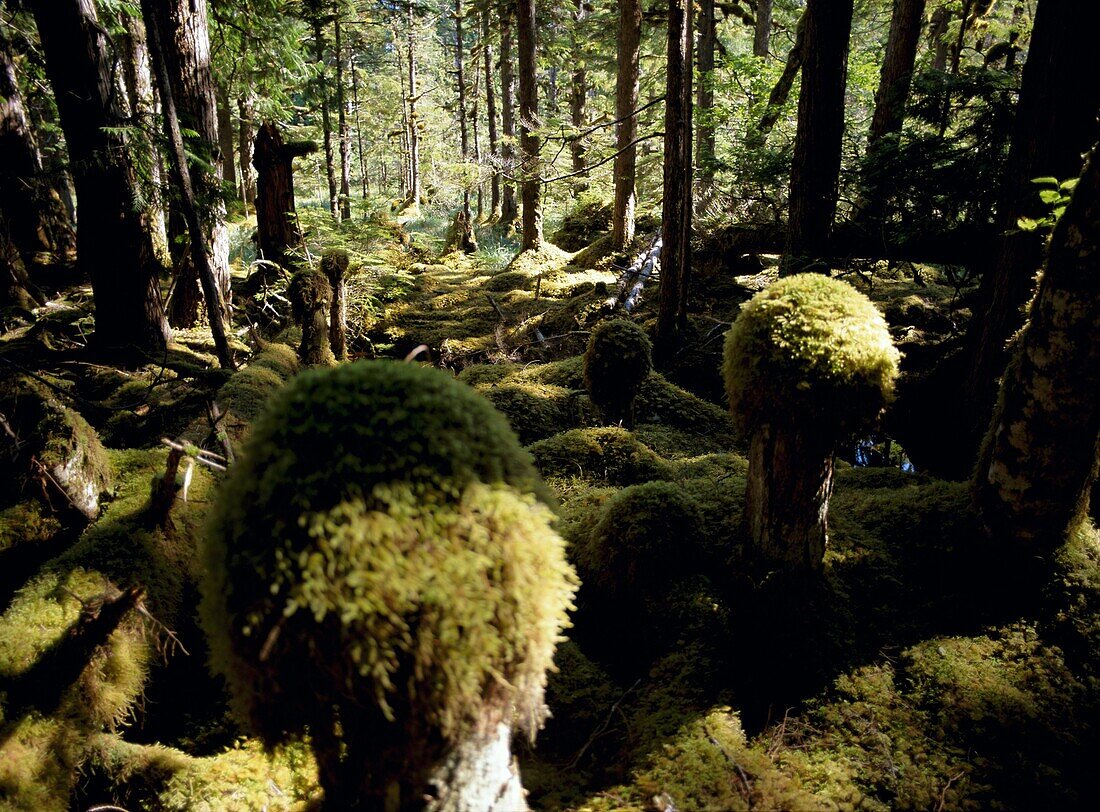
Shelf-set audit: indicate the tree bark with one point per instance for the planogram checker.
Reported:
(1055, 124)
(677, 207)
(706, 146)
(276, 219)
(322, 92)
(790, 480)
(34, 216)
(782, 90)
(463, 127)
(529, 122)
(897, 69)
(225, 137)
(334, 264)
(342, 125)
(578, 92)
(626, 102)
(509, 211)
(763, 32)
(159, 24)
(815, 170)
(491, 117)
(937, 37)
(113, 246)
(414, 121)
(245, 139)
(1040, 454)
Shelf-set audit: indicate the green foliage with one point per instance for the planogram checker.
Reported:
(618, 359)
(1055, 196)
(809, 348)
(349, 470)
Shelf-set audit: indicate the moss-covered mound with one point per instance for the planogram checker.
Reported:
(812, 347)
(588, 220)
(617, 361)
(610, 455)
(380, 551)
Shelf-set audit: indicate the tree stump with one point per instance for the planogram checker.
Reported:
(334, 265)
(310, 298)
(276, 219)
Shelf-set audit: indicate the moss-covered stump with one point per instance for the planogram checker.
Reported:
(460, 235)
(334, 265)
(381, 573)
(618, 359)
(59, 455)
(808, 364)
(310, 298)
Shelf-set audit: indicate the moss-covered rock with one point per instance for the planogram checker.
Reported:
(618, 359)
(379, 553)
(609, 455)
(587, 221)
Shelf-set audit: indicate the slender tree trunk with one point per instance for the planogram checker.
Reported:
(342, 124)
(35, 218)
(113, 246)
(159, 22)
(363, 176)
(491, 117)
(1055, 122)
(528, 124)
(475, 103)
(326, 118)
(937, 37)
(225, 137)
(463, 127)
(782, 90)
(762, 35)
(245, 139)
(626, 102)
(1040, 455)
(815, 171)
(676, 210)
(414, 120)
(706, 147)
(578, 92)
(509, 211)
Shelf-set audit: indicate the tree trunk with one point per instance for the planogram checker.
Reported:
(787, 494)
(276, 219)
(225, 137)
(509, 211)
(762, 35)
(1040, 455)
(113, 246)
(937, 37)
(342, 125)
(322, 92)
(414, 121)
(626, 101)
(676, 210)
(897, 69)
(1055, 124)
(782, 90)
(706, 147)
(34, 216)
(310, 297)
(815, 170)
(364, 177)
(244, 140)
(578, 92)
(187, 58)
(159, 23)
(460, 80)
(491, 118)
(334, 264)
(528, 124)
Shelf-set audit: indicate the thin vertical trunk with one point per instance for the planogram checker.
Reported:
(626, 102)
(763, 32)
(463, 127)
(815, 170)
(364, 178)
(491, 117)
(476, 93)
(676, 210)
(706, 147)
(113, 245)
(244, 140)
(508, 209)
(414, 122)
(225, 137)
(578, 92)
(326, 118)
(158, 15)
(528, 124)
(782, 89)
(1040, 456)
(342, 125)
(937, 37)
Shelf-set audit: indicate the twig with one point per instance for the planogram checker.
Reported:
(603, 727)
(729, 757)
(207, 458)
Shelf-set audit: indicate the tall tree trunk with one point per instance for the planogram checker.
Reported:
(937, 37)
(322, 92)
(463, 126)
(1055, 122)
(763, 32)
(528, 122)
(363, 175)
(35, 218)
(276, 220)
(342, 124)
(676, 210)
(244, 140)
(475, 92)
(782, 90)
(706, 146)
(187, 58)
(225, 137)
(509, 211)
(626, 102)
(159, 23)
(815, 170)
(113, 246)
(491, 117)
(578, 92)
(414, 121)
(1040, 455)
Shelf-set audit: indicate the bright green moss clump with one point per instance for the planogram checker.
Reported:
(812, 348)
(617, 361)
(380, 554)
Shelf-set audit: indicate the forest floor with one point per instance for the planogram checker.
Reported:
(927, 669)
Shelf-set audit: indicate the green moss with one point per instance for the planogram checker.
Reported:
(617, 361)
(534, 410)
(608, 454)
(246, 393)
(27, 522)
(334, 260)
(279, 358)
(356, 546)
(809, 348)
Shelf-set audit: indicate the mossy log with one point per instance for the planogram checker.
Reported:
(310, 298)
(334, 264)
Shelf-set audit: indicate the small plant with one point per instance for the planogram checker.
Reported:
(618, 359)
